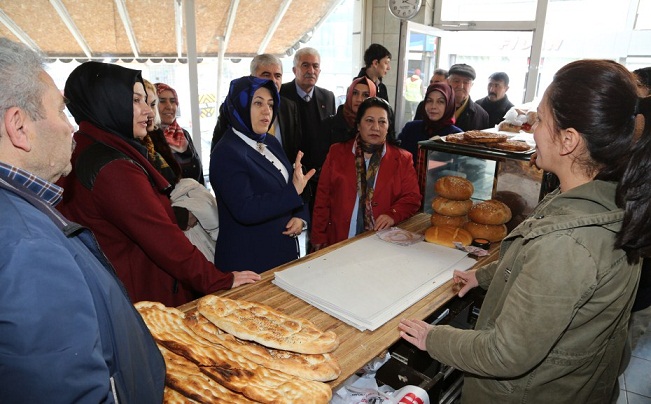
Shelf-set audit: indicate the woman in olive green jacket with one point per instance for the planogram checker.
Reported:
(553, 325)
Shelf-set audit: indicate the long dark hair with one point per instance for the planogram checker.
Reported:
(378, 102)
(598, 98)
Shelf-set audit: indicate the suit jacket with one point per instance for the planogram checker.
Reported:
(255, 203)
(324, 98)
(288, 119)
(396, 191)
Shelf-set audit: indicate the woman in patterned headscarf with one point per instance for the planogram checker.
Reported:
(438, 120)
(261, 212)
(367, 183)
(178, 138)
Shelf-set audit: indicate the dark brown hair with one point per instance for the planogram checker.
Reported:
(598, 98)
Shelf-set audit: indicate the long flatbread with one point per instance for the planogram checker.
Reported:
(228, 368)
(171, 396)
(320, 367)
(256, 322)
(186, 378)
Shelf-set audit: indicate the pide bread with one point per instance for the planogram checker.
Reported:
(491, 232)
(442, 220)
(228, 368)
(477, 136)
(491, 211)
(450, 207)
(320, 367)
(453, 187)
(509, 127)
(512, 145)
(184, 378)
(447, 235)
(171, 396)
(256, 322)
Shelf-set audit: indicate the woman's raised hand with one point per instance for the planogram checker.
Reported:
(299, 179)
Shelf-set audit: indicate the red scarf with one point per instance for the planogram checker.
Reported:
(176, 137)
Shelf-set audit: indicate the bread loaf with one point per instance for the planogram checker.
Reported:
(450, 207)
(447, 235)
(442, 220)
(452, 187)
(491, 232)
(491, 211)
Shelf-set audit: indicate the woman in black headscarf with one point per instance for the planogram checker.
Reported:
(258, 193)
(438, 120)
(116, 192)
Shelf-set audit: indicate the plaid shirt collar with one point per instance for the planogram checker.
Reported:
(45, 190)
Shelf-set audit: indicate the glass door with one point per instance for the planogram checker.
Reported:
(418, 58)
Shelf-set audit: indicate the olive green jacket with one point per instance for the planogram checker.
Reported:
(554, 321)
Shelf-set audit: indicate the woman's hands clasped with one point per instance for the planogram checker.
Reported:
(299, 179)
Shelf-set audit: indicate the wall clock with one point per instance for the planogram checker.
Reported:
(404, 9)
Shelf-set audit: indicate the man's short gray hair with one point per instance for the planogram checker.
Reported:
(305, 51)
(265, 59)
(20, 85)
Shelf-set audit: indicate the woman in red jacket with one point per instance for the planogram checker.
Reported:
(367, 183)
(116, 192)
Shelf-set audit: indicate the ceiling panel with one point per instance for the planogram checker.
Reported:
(153, 24)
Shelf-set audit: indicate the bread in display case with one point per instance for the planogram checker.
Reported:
(495, 174)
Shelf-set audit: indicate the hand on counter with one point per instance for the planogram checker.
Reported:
(464, 281)
(383, 222)
(415, 332)
(243, 277)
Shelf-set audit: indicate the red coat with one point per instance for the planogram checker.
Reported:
(396, 191)
(135, 226)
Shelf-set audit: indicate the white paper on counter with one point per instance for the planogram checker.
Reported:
(369, 281)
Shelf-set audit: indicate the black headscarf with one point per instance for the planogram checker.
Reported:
(432, 127)
(238, 104)
(102, 94)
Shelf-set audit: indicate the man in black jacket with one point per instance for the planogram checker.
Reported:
(496, 103)
(287, 127)
(315, 104)
(469, 115)
(377, 61)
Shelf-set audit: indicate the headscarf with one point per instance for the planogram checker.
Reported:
(173, 133)
(349, 115)
(432, 127)
(102, 94)
(238, 104)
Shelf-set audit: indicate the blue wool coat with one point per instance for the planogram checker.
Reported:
(255, 204)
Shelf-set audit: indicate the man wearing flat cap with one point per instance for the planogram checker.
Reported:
(469, 115)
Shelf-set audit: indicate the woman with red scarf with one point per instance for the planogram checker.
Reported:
(178, 138)
(439, 119)
(367, 183)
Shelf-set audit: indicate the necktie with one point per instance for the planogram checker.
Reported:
(307, 98)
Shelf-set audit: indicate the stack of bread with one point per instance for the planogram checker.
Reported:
(234, 351)
(487, 220)
(451, 208)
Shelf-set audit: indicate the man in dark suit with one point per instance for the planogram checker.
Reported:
(287, 127)
(469, 115)
(314, 105)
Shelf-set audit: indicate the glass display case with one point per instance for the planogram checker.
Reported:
(495, 174)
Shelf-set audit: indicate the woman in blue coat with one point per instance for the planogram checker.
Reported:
(438, 120)
(261, 212)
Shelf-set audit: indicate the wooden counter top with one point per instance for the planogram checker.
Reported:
(356, 348)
